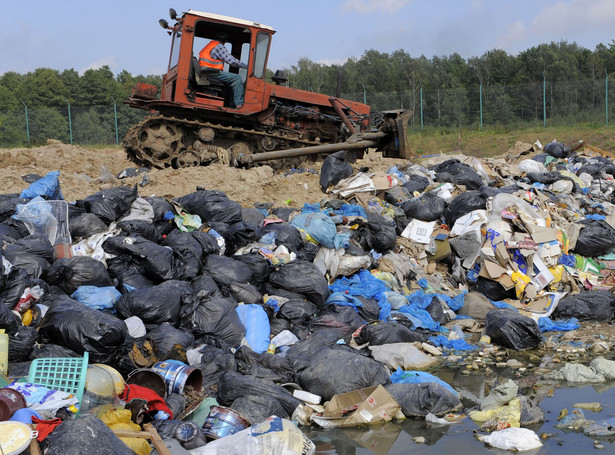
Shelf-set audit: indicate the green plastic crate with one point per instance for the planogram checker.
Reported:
(66, 374)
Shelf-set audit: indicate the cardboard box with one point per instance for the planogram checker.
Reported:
(357, 408)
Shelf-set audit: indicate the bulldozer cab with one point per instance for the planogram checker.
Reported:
(187, 83)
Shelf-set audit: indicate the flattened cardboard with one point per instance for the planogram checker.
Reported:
(492, 270)
(543, 234)
(366, 407)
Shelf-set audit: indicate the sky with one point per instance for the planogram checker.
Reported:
(125, 34)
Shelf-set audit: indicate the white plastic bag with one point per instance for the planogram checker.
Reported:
(519, 439)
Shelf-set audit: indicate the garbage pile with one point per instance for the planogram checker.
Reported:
(210, 324)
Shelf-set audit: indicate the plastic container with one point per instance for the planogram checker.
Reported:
(146, 377)
(178, 376)
(222, 422)
(4, 353)
(15, 437)
(67, 374)
(10, 402)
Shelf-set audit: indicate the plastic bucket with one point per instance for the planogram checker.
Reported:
(223, 422)
(146, 377)
(10, 401)
(15, 437)
(178, 376)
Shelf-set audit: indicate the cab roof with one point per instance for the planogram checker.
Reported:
(230, 19)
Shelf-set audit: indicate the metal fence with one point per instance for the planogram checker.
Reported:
(519, 106)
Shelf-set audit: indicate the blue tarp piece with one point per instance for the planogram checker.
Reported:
(48, 186)
(457, 345)
(567, 260)
(339, 298)
(595, 217)
(351, 210)
(99, 298)
(254, 318)
(548, 325)
(311, 208)
(502, 304)
(365, 284)
(419, 317)
(418, 377)
(321, 228)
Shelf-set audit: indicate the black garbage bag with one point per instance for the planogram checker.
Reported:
(155, 305)
(15, 283)
(453, 171)
(387, 332)
(334, 168)
(309, 252)
(141, 228)
(110, 204)
(70, 273)
(595, 170)
(176, 403)
(161, 206)
(258, 265)
(587, 306)
(246, 293)
(339, 370)
(428, 207)
(252, 215)
(34, 253)
(286, 235)
(343, 315)
(86, 435)
(418, 400)
(511, 329)
(9, 321)
(437, 311)
(211, 205)
(80, 328)
(225, 270)
(274, 367)
(370, 310)
(212, 314)
(416, 183)
(302, 277)
(171, 343)
(86, 225)
(556, 149)
(545, 178)
(234, 385)
(21, 343)
(243, 234)
(596, 238)
(204, 282)
(297, 311)
(378, 234)
(158, 261)
(257, 408)
(463, 204)
(8, 203)
(189, 251)
(492, 289)
(51, 350)
(8, 234)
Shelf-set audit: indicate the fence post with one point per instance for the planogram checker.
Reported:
(27, 122)
(117, 139)
(606, 97)
(544, 100)
(421, 96)
(364, 94)
(70, 123)
(480, 101)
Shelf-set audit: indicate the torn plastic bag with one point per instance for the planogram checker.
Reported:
(76, 326)
(128, 272)
(418, 400)
(171, 343)
(99, 298)
(211, 205)
(387, 332)
(208, 314)
(256, 408)
(595, 239)
(531, 413)
(402, 355)
(234, 385)
(601, 428)
(336, 262)
(513, 439)
(334, 168)
(321, 228)
(87, 434)
(556, 149)
(453, 171)
(338, 316)
(47, 186)
(110, 204)
(21, 343)
(531, 165)
(155, 305)
(255, 320)
(428, 207)
(226, 270)
(352, 371)
(34, 253)
(587, 306)
(8, 203)
(304, 278)
(511, 329)
(463, 204)
(71, 273)
(47, 218)
(86, 225)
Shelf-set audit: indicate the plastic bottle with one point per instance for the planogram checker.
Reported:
(4, 352)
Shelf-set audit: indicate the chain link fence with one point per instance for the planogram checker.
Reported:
(478, 107)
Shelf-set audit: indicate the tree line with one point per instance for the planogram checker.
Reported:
(446, 89)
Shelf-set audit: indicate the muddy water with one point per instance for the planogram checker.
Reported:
(396, 438)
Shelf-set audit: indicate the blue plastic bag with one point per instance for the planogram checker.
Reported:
(365, 284)
(457, 345)
(99, 298)
(255, 320)
(548, 325)
(418, 377)
(321, 228)
(48, 186)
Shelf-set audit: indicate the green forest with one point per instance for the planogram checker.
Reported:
(561, 82)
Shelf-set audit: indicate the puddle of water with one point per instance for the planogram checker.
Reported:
(396, 438)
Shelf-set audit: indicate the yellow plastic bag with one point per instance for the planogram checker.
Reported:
(119, 419)
(509, 414)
